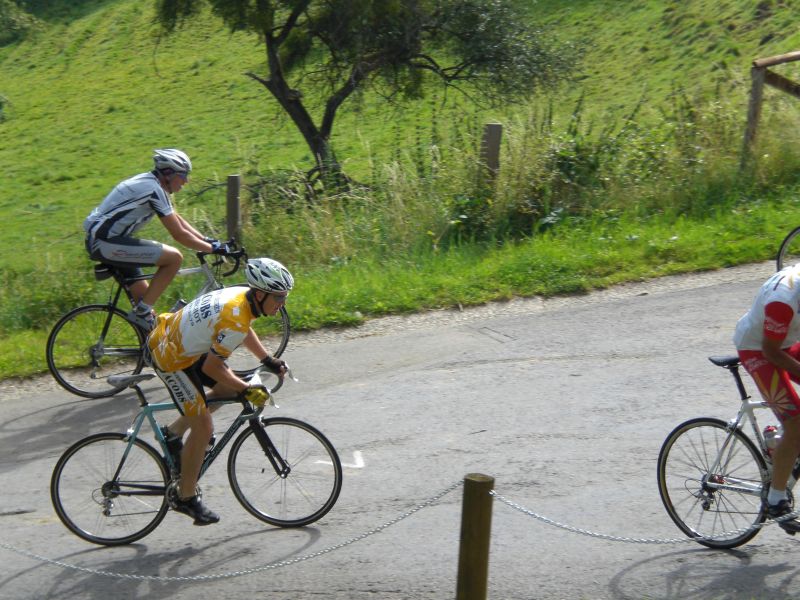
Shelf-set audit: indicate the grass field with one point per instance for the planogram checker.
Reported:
(91, 93)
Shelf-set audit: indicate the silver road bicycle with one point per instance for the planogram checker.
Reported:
(713, 475)
(93, 342)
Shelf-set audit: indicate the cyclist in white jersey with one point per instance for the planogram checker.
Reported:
(126, 209)
(188, 351)
(768, 340)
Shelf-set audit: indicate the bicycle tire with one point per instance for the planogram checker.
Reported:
(275, 340)
(80, 358)
(688, 491)
(789, 252)
(99, 509)
(303, 496)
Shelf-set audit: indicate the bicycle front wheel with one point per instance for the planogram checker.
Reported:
(302, 494)
(90, 343)
(109, 492)
(789, 253)
(712, 482)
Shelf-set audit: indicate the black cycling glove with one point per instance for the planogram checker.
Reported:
(274, 365)
(218, 247)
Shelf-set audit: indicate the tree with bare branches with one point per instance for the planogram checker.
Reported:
(484, 48)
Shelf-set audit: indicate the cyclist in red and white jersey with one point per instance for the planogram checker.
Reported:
(188, 351)
(768, 340)
(126, 209)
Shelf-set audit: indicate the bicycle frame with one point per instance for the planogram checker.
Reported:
(247, 416)
(746, 414)
(211, 282)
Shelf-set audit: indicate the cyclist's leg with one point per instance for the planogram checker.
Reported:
(187, 394)
(127, 253)
(181, 425)
(168, 263)
(777, 390)
(136, 289)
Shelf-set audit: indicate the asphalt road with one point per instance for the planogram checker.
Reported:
(564, 402)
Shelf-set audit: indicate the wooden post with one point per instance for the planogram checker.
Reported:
(757, 74)
(233, 217)
(490, 147)
(476, 526)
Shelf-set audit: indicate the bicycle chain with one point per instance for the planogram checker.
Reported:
(229, 574)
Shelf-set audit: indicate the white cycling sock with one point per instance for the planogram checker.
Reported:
(142, 309)
(775, 496)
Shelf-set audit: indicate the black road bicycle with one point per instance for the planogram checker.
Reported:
(113, 488)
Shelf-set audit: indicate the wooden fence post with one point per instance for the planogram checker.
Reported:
(233, 216)
(490, 148)
(476, 527)
(757, 75)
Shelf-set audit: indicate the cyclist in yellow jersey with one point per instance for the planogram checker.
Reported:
(188, 350)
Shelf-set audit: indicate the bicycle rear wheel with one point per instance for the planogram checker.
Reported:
(718, 507)
(90, 343)
(789, 253)
(303, 495)
(274, 334)
(106, 497)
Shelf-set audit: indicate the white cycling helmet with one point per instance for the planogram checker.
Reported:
(170, 158)
(268, 275)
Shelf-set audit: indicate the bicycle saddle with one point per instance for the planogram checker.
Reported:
(725, 361)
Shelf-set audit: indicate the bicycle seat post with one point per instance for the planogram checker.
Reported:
(140, 395)
(734, 369)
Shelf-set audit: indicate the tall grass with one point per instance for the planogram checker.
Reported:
(435, 196)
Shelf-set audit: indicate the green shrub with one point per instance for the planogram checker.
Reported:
(15, 23)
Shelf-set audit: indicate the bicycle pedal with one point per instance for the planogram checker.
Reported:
(172, 493)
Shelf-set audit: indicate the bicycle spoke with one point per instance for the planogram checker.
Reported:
(722, 504)
(104, 510)
(307, 491)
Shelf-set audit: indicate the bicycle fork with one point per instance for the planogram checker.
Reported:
(282, 468)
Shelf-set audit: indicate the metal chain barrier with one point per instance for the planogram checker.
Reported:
(229, 574)
(432, 500)
(616, 538)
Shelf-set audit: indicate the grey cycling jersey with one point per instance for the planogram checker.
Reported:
(128, 207)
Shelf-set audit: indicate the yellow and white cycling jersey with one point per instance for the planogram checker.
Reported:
(215, 322)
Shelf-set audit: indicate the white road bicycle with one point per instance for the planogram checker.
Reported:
(713, 478)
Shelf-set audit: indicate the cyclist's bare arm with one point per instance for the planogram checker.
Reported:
(774, 353)
(215, 367)
(175, 225)
(189, 226)
(254, 345)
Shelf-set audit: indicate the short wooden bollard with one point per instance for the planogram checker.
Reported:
(490, 148)
(476, 527)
